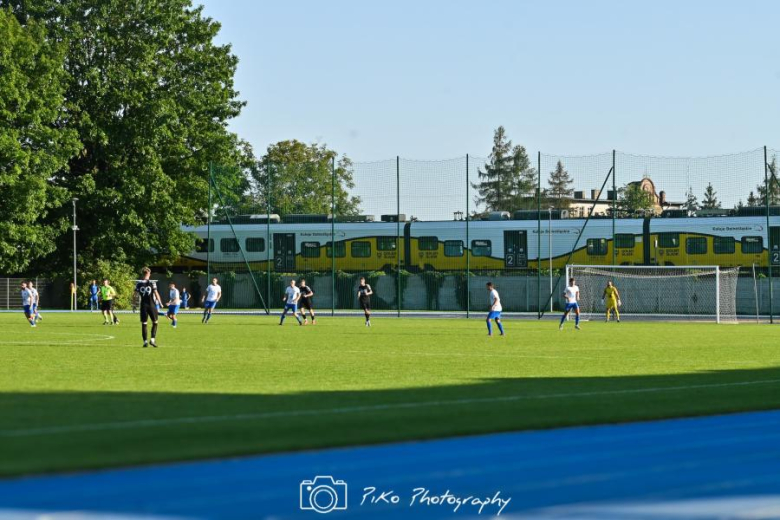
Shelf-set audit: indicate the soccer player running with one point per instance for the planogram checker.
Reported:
(495, 310)
(305, 302)
(212, 296)
(36, 301)
(147, 291)
(364, 293)
(611, 298)
(93, 296)
(107, 295)
(174, 300)
(27, 299)
(291, 296)
(572, 295)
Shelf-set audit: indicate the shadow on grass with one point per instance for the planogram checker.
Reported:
(47, 432)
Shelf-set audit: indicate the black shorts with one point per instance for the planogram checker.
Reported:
(365, 305)
(305, 303)
(149, 310)
(107, 305)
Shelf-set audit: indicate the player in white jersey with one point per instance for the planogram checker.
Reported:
(495, 310)
(36, 301)
(213, 294)
(174, 300)
(291, 296)
(572, 296)
(27, 299)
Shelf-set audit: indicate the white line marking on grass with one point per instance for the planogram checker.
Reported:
(43, 341)
(142, 423)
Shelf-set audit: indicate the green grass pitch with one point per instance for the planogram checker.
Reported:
(75, 394)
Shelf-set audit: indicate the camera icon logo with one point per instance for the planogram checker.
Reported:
(323, 494)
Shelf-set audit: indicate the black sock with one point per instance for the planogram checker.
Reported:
(154, 330)
(143, 331)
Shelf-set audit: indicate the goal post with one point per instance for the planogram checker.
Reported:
(687, 292)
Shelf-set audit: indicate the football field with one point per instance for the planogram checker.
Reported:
(75, 394)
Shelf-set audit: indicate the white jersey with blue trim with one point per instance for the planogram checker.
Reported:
(27, 297)
(495, 301)
(292, 294)
(571, 293)
(213, 292)
(35, 297)
(174, 297)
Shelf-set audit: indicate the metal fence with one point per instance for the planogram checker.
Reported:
(428, 235)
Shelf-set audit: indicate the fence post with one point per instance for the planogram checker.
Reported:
(398, 231)
(332, 237)
(767, 187)
(539, 235)
(268, 241)
(614, 208)
(208, 227)
(468, 248)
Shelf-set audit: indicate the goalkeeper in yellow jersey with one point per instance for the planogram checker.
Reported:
(611, 298)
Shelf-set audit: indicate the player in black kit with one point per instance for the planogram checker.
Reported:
(148, 295)
(364, 297)
(305, 303)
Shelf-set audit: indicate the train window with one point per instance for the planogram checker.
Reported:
(255, 245)
(481, 248)
(200, 245)
(341, 249)
(724, 245)
(668, 239)
(597, 246)
(624, 241)
(386, 243)
(752, 244)
(310, 249)
(696, 246)
(453, 248)
(229, 245)
(361, 249)
(428, 243)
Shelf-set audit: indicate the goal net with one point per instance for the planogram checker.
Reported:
(666, 292)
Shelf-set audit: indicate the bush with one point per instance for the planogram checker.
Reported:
(122, 278)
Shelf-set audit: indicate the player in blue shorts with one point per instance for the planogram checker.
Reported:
(572, 296)
(495, 310)
(36, 301)
(27, 302)
(93, 296)
(174, 300)
(291, 296)
(213, 294)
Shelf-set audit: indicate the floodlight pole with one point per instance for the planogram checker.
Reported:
(549, 252)
(75, 230)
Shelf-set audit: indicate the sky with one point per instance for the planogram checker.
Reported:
(432, 79)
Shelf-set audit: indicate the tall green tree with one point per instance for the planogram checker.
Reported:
(691, 202)
(507, 181)
(633, 201)
(560, 188)
(298, 177)
(150, 95)
(774, 186)
(710, 200)
(34, 142)
(752, 200)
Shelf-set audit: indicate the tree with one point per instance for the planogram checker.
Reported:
(691, 202)
(633, 201)
(710, 200)
(560, 190)
(752, 200)
(508, 181)
(297, 177)
(34, 143)
(150, 95)
(774, 186)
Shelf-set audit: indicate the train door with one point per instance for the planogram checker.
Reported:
(284, 252)
(515, 249)
(774, 244)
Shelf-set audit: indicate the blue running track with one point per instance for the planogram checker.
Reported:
(720, 467)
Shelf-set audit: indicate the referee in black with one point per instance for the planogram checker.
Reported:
(147, 292)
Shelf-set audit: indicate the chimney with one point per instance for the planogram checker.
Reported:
(578, 195)
(594, 194)
(662, 198)
(611, 195)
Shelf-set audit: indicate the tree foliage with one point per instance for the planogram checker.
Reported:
(774, 186)
(34, 142)
(560, 188)
(691, 202)
(710, 200)
(150, 95)
(298, 178)
(508, 181)
(633, 201)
